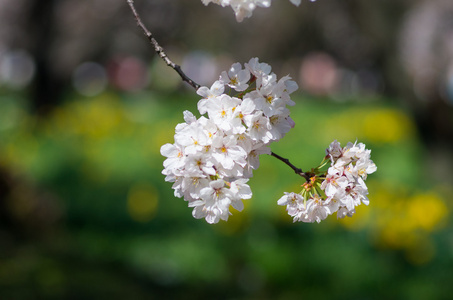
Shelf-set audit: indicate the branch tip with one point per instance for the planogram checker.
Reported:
(297, 170)
(158, 48)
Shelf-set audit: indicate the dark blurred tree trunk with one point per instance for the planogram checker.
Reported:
(426, 55)
(47, 86)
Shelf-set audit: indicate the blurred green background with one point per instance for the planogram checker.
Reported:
(85, 106)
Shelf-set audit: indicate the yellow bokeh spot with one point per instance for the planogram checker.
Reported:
(378, 125)
(401, 219)
(387, 126)
(23, 151)
(394, 237)
(426, 211)
(142, 202)
(93, 118)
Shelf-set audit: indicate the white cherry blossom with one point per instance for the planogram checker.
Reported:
(258, 127)
(236, 77)
(295, 204)
(316, 210)
(244, 8)
(216, 90)
(175, 156)
(228, 153)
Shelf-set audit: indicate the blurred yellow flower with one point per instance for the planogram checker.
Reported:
(377, 125)
(426, 211)
(142, 202)
(387, 126)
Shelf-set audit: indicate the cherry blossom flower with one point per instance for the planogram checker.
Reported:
(295, 204)
(213, 157)
(343, 184)
(236, 78)
(244, 8)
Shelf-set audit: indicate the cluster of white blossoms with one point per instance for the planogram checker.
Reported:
(343, 184)
(213, 157)
(244, 8)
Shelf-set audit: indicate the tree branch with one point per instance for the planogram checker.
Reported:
(159, 50)
(298, 171)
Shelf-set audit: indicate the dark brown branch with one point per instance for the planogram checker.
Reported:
(159, 50)
(298, 171)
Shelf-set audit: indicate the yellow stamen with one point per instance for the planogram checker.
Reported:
(270, 99)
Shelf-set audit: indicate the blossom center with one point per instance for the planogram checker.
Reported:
(269, 99)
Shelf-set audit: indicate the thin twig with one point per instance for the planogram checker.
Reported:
(159, 50)
(298, 171)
